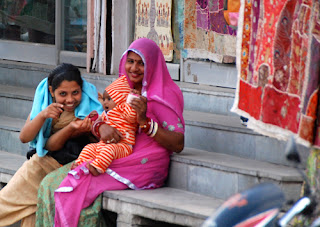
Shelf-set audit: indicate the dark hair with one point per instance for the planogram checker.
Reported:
(63, 72)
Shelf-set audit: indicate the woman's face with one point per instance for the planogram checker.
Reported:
(68, 93)
(134, 68)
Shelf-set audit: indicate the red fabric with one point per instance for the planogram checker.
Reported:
(279, 68)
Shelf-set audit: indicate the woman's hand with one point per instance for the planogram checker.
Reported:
(73, 129)
(32, 127)
(109, 134)
(81, 126)
(52, 111)
(140, 106)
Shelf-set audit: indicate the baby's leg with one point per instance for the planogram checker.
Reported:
(108, 153)
(88, 153)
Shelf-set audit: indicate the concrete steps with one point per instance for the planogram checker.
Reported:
(222, 175)
(9, 164)
(208, 131)
(165, 205)
(9, 135)
(221, 156)
(195, 165)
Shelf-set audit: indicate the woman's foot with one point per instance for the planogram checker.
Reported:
(92, 169)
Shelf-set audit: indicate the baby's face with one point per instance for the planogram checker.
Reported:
(108, 103)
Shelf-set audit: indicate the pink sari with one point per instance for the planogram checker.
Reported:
(147, 167)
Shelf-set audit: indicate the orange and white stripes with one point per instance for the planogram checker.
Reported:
(103, 154)
(123, 118)
(119, 90)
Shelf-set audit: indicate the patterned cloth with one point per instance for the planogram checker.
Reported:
(153, 21)
(207, 35)
(278, 68)
(90, 217)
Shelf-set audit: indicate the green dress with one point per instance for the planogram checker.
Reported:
(90, 216)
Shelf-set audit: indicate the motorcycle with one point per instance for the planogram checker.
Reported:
(262, 204)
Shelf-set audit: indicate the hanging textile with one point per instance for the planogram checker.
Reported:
(153, 21)
(207, 35)
(96, 36)
(278, 63)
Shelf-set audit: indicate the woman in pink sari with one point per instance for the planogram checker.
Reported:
(159, 112)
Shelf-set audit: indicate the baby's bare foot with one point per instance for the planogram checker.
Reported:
(74, 165)
(92, 169)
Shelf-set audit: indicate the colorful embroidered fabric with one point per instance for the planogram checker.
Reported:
(278, 63)
(153, 21)
(207, 35)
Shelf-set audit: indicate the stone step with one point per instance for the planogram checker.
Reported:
(204, 131)
(9, 164)
(16, 101)
(195, 165)
(9, 135)
(198, 97)
(165, 205)
(226, 135)
(222, 175)
(209, 99)
(22, 74)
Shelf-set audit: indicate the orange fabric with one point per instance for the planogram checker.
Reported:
(119, 90)
(103, 154)
(123, 118)
(233, 6)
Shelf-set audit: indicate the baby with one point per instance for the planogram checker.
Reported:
(118, 114)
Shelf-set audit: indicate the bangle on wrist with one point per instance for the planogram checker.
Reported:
(151, 128)
(95, 128)
(154, 130)
(146, 127)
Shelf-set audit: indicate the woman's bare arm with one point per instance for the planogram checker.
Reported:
(173, 141)
(32, 127)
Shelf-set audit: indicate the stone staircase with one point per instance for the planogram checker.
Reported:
(221, 156)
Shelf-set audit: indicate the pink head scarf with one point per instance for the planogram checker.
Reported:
(157, 84)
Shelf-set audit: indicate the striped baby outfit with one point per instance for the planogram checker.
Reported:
(121, 117)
